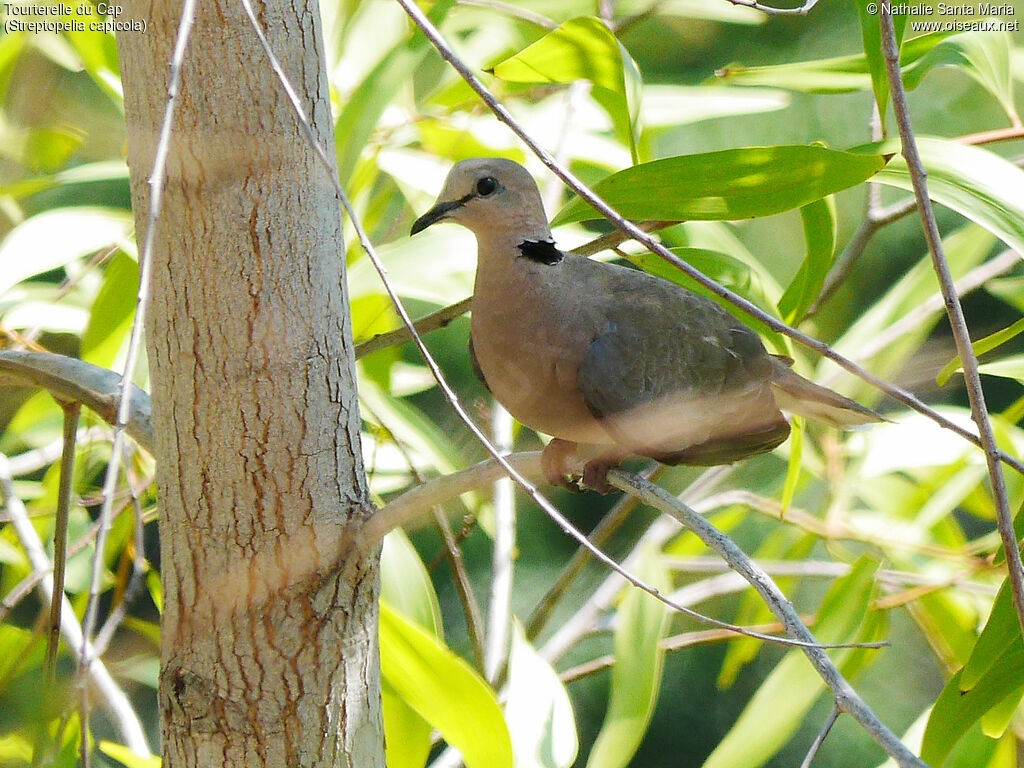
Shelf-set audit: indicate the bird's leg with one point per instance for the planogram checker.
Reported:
(553, 463)
(595, 474)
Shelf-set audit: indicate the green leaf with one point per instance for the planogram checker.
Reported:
(90, 173)
(538, 710)
(636, 676)
(127, 756)
(972, 181)
(995, 722)
(57, 237)
(780, 705)
(728, 184)
(110, 319)
(819, 219)
(870, 30)
(1007, 368)
(444, 690)
(983, 56)
(956, 709)
(1001, 631)
(669, 106)
(406, 734)
(796, 453)
(405, 583)
(367, 103)
(980, 347)
(841, 74)
(584, 49)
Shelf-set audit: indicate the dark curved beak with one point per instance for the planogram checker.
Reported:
(435, 214)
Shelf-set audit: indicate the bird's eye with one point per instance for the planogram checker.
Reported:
(488, 185)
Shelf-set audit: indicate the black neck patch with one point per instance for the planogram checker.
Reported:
(543, 251)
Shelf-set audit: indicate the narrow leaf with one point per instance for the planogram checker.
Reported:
(796, 453)
(972, 181)
(980, 347)
(956, 710)
(444, 690)
(538, 710)
(819, 219)
(406, 734)
(871, 34)
(583, 49)
(406, 585)
(636, 676)
(841, 74)
(127, 756)
(728, 184)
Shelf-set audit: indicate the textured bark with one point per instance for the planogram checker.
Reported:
(269, 653)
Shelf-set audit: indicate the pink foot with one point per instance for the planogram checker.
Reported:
(595, 475)
(552, 462)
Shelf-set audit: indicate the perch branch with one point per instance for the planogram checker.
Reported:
(972, 380)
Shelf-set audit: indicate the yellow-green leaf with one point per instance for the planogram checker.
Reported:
(584, 49)
(636, 676)
(444, 690)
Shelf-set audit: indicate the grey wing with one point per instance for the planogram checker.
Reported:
(663, 340)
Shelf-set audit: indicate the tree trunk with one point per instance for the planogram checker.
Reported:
(269, 654)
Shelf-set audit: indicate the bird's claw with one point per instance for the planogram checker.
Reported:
(553, 463)
(595, 472)
(595, 475)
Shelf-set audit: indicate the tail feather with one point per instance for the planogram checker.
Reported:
(796, 394)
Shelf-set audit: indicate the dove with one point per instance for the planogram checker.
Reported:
(608, 360)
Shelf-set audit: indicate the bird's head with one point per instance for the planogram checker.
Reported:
(491, 197)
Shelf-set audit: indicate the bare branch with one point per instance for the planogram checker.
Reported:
(846, 698)
(803, 10)
(60, 560)
(70, 379)
(979, 410)
(820, 738)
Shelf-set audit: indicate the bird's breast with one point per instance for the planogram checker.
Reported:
(530, 342)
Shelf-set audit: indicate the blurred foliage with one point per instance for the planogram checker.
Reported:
(682, 109)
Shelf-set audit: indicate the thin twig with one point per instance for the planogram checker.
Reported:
(671, 644)
(989, 137)
(845, 697)
(634, 232)
(72, 411)
(439, 319)
(972, 380)
(116, 703)
(820, 738)
(803, 10)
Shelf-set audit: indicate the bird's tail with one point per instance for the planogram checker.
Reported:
(796, 394)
